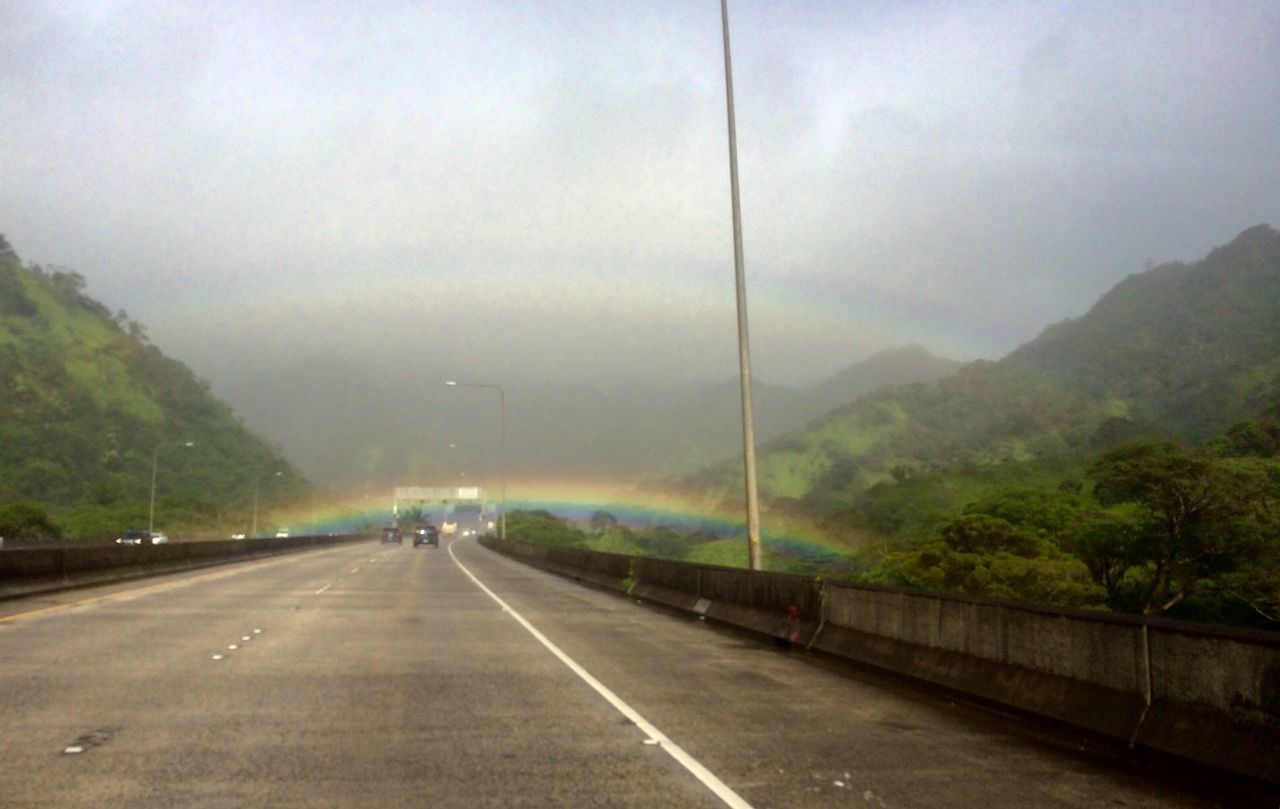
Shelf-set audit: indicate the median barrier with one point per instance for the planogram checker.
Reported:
(1199, 692)
(1215, 696)
(32, 571)
(666, 582)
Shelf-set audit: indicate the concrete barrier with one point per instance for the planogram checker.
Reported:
(32, 571)
(1198, 692)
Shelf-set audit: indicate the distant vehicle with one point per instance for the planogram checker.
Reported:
(159, 538)
(426, 535)
(237, 536)
(391, 534)
(470, 532)
(134, 538)
(282, 533)
(449, 528)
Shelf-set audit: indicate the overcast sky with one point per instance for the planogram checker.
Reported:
(541, 188)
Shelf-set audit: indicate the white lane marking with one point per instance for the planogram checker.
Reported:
(232, 647)
(318, 592)
(708, 779)
(355, 570)
(216, 657)
(257, 631)
(246, 637)
(71, 751)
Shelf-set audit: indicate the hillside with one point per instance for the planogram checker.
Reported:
(1181, 350)
(396, 429)
(87, 403)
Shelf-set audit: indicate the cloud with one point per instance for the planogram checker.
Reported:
(956, 175)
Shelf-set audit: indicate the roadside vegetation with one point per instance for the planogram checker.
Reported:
(1126, 460)
(88, 401)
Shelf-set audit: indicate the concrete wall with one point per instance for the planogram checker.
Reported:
(1200, 692)
(28, 571)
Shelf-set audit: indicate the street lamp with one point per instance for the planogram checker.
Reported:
(257, 476)
(155, 460)
(502, 457)
(744, 350)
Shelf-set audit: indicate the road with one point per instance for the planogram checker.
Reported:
(388, 676)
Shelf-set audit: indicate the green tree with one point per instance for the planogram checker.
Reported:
(27, 521)
(1200, 517)
(984, 555)
(603, 522)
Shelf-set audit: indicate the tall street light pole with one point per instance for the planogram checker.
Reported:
(744, 350)
(502, 457)
(155, 462)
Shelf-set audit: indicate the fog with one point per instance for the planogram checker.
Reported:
(537, 193)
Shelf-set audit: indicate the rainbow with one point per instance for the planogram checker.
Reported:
(579, 500)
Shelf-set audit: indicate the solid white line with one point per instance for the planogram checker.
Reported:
(708, 779)
(322, 589)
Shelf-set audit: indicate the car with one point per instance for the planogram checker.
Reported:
(159, 538)
(237, 536)
(134, 538)
(283, 533)
(391, 534)
(426, 535)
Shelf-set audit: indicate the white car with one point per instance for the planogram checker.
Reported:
(158, 538)
(282, 533)
(237, 536)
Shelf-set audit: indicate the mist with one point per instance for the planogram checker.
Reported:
(537, 194)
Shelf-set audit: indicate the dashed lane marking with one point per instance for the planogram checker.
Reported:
(655, 736)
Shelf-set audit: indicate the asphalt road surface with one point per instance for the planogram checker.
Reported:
(387, 676)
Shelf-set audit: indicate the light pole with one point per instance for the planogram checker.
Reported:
(744, 350)
(502, 456)
(155, 461)
(257, 477)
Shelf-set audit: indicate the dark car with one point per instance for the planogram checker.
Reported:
(134, 538)
(391, 534)
(426, 535)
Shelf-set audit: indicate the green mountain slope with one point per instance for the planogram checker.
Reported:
(87, 403)
(1180, 350)
(1189, 347)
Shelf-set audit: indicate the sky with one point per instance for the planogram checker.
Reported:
(540, 189)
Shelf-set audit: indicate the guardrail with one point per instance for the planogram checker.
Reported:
(29, 571)
(1204, 693)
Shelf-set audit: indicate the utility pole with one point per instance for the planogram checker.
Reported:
(744, 343)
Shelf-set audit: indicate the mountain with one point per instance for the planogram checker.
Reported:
(89, 403)
(895, 366)
(1180, 350)
(390, 430)
(1189, 348)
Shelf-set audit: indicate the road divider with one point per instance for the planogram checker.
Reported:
(1198, 692)
(33, 571)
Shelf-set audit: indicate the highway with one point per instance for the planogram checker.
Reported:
(387, 676)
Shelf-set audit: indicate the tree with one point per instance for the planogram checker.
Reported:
(602, 522)
(27, 521)
(1198, 516)
(984, 555)
(7, 253)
